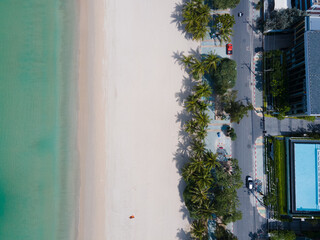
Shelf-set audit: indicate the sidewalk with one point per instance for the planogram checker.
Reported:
(259, 176)
(257, 83)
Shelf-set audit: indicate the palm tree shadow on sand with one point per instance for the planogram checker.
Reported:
(181, 155)
(177, 19)
(183, 235)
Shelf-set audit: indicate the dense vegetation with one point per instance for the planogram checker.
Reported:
(223, 24)
(196, 16)
(283, 18)
(211, 185)
(276, 82)
(225, 76)
(275, 198)
(231, 133)
(224, 4)
(282, 235)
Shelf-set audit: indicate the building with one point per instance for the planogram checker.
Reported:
(304, 4)
(303, 177)
(303, 71)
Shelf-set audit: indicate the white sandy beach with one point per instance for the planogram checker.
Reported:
(128, 129)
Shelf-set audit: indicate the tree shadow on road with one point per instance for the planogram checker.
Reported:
(261, 233)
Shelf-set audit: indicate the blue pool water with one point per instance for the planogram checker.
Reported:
(306, 176)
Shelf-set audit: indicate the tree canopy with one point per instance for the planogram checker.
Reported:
(225, 76)
(197, 68)
(210, 184)
(237, 110)
(282, 235)
(223, 25)
(224, 4)
(222, 233)
(196, 16)
(283, 18)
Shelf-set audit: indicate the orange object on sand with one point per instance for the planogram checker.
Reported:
(131, 217)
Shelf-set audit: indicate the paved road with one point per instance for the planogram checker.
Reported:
(244, 44)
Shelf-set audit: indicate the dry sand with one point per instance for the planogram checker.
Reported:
(143, 79)
(92, 115)
(128, 129)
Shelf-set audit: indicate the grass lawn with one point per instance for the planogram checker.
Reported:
(280, 172)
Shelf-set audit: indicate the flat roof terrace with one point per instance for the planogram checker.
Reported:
(305, 176)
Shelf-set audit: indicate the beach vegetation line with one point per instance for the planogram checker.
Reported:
(211, 185)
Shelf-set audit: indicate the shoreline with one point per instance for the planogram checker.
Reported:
(91, 120)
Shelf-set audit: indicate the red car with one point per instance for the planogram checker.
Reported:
(229, 49)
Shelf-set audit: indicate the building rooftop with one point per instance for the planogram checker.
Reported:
(312, 58)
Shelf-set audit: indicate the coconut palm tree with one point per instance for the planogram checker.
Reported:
(202, 118)
(187, 60)
(205, 210)
(210, 61)
(191, 126)
(197, 148)
(203, 105)
(225, 34)
(196, 165)
(200, 133)
(199, 230)
(187, 172)
(210, 160)
(198, 195)
(196, 16)
(192, 103)
(197, 69)
(203, 90)
(204, 178)
(223, 24)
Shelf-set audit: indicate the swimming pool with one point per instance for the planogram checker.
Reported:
(307, 159)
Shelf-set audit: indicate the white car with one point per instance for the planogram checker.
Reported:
(249, 182)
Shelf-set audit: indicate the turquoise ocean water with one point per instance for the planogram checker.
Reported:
(38, 168)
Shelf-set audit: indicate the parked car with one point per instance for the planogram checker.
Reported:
(229, 49)
(249, 182)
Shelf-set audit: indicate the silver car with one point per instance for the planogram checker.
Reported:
(249, 182)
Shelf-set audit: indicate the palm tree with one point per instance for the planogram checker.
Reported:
(204, 178)
(224, 24)
(211, 159)
(225, 34)
(187, 60)
(203, 90)
(199, 230)
(198, 195)
(196, 16)
(196, 165)
(192, 103)
(206, 210)
(201, 133)
(187, 172)
(197, 148)
(210, 61)
(191, 126)
(202, 118)
(202, 105)
(197, 69)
